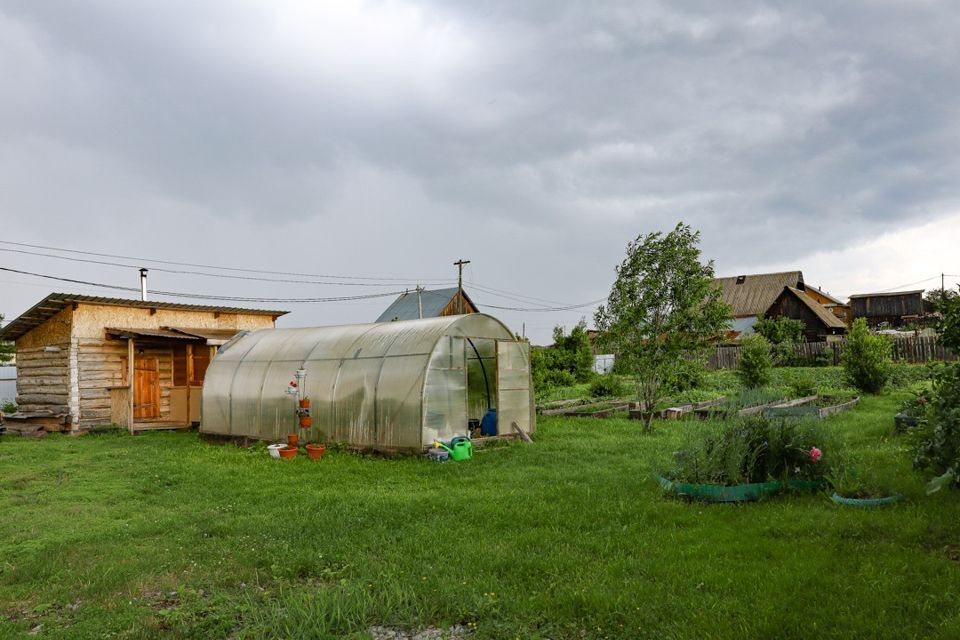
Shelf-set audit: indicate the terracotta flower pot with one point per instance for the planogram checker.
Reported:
(305, 422)
(316, 451)
(292, 439)
(288, 452)
(305, 403)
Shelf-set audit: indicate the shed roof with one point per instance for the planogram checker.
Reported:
(56, 302)
(886, 294)
(818, 309)
(406, 307)
(751, 295)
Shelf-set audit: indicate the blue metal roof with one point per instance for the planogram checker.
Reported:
(405, 307)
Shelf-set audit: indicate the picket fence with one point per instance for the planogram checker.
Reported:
(909, 349)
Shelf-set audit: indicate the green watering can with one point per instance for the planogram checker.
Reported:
(460, 448)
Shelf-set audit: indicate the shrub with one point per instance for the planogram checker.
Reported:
(8, 407)
(939, 450)
(780, 329)
(558, 378)
(801, 385)
(607, 386)
(755, 362)
(866, 358)
(569, 354)
(690, 373)
(756, 449)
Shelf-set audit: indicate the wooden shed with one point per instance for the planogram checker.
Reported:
(437, 303)
(87, 360)
(820, 323)
(896, 308)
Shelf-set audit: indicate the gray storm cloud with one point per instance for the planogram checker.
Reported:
(386, 138)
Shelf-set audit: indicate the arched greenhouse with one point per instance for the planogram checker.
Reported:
(392, 385)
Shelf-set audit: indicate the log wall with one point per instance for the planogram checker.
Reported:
(102, 364)
(43, 372)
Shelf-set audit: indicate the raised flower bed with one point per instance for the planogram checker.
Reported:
(749, 459)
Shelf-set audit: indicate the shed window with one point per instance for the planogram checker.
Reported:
(190, 362)
(741, 279)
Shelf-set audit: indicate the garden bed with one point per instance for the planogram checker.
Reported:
(816, 407)
(739, 406)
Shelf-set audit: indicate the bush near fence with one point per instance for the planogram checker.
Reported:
(913, 350)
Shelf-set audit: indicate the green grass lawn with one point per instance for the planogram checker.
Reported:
(165, 535)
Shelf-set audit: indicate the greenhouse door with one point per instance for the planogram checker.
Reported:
(513, 386)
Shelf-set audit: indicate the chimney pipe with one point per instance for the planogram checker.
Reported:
(143, 284)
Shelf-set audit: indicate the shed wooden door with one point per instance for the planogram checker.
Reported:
(146, 388)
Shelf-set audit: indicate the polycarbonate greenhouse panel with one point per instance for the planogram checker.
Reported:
(514, 401)
(399, 401)
(393, 385)
(445, 397)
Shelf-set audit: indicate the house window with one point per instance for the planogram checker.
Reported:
(741, 279)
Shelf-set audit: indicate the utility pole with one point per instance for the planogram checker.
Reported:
(419, 303)
(459, 264)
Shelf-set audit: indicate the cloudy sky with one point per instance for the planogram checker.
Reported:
(385, 140)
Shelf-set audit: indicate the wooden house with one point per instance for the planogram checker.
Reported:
(833, 305)
(750, 296)
(819, 322)
(413, 305)
(896, 308)
(84, 361)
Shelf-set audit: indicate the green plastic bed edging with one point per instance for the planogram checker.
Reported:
(866, 502)
(721, 493)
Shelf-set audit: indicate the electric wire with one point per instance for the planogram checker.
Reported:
(218, 275)
(198, 296)
(500, 293)
(236, 269)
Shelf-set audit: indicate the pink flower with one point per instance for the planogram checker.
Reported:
(815, 454)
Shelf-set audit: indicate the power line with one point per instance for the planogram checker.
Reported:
(909, 284)
(388, 281)
(235, 269)
(212, 275)
(534, 309)
(197, 296)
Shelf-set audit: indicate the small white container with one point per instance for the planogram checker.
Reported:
(274, 450)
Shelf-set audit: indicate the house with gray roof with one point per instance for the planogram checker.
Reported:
(412, 305)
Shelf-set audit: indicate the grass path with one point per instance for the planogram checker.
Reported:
(166, 535)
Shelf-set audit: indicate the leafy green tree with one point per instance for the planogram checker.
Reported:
(7, 349)
(779, 329)
(567, 361)
(866, 358)
(783, 334)
(755, 361)
(935, 299)
(948, 328)
(662, 311)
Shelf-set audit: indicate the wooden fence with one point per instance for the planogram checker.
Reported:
(911, 349)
